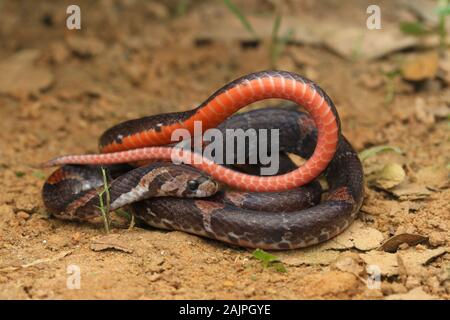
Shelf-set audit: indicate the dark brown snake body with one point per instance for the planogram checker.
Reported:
(158, 193)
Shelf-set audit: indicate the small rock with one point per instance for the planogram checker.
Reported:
(76, 237)
(412, 282)
(56, 242)
(371, 80)
(23, 215)
(349, 263)
(85, 47)
(422, 113)
(7, 213)
(154, 264)
(373, 294)
(110, 242)
(25, 204)
(432, 86)
(157, 10)
(59, 52)
(386, 262)
(228, 283)
(249, 292)
(434, 285)
(391, 288)
(153, 277)
(437, 238)
(40, 294)
(447, 286)
(3, 279)
(135, 72)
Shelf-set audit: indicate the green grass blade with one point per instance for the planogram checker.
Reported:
(413, 28)
(237, 12)
(181, 8)
(275, 41)
(269, 260)
(104, 207)
(368, 153)
(276, 28)
(443, 11)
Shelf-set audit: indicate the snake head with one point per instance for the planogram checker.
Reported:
(187, 182)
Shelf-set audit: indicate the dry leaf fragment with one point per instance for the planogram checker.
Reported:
(421, 67)
(351, 41)
(109, 242)
(392, 244)
(356, 236)
(36, 262)
(414, 260)
(410, 191)
(423, 257)
(434, 176)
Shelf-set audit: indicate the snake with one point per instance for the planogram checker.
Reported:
(231, 204)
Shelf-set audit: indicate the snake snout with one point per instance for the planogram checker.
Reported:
(207, 188)
(188, 182)
(198, 186)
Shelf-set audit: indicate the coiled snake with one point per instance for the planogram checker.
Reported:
(270, 212)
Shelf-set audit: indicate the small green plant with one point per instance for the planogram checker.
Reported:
(419, 29)
(105, 203)
(277, 42)
(390, 85)
(237, 12)
(39, 175)
(181, 8)
(104, 207)
(19, 174)
(269, 260)
(128, 216)
(443, 10)
(413, 28)
(357, 48)
(371, 152)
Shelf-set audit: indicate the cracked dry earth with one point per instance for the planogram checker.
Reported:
(60, 90)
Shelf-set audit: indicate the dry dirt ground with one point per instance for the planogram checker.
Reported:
(60, 89)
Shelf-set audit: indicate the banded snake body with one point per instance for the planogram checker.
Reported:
(269, 212)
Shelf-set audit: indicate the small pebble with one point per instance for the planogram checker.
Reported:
(436, 239)
(23, 215)
(228, 283)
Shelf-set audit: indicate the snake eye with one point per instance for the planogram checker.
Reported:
(192, 185)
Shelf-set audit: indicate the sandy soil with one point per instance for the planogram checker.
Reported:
(60, 89)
